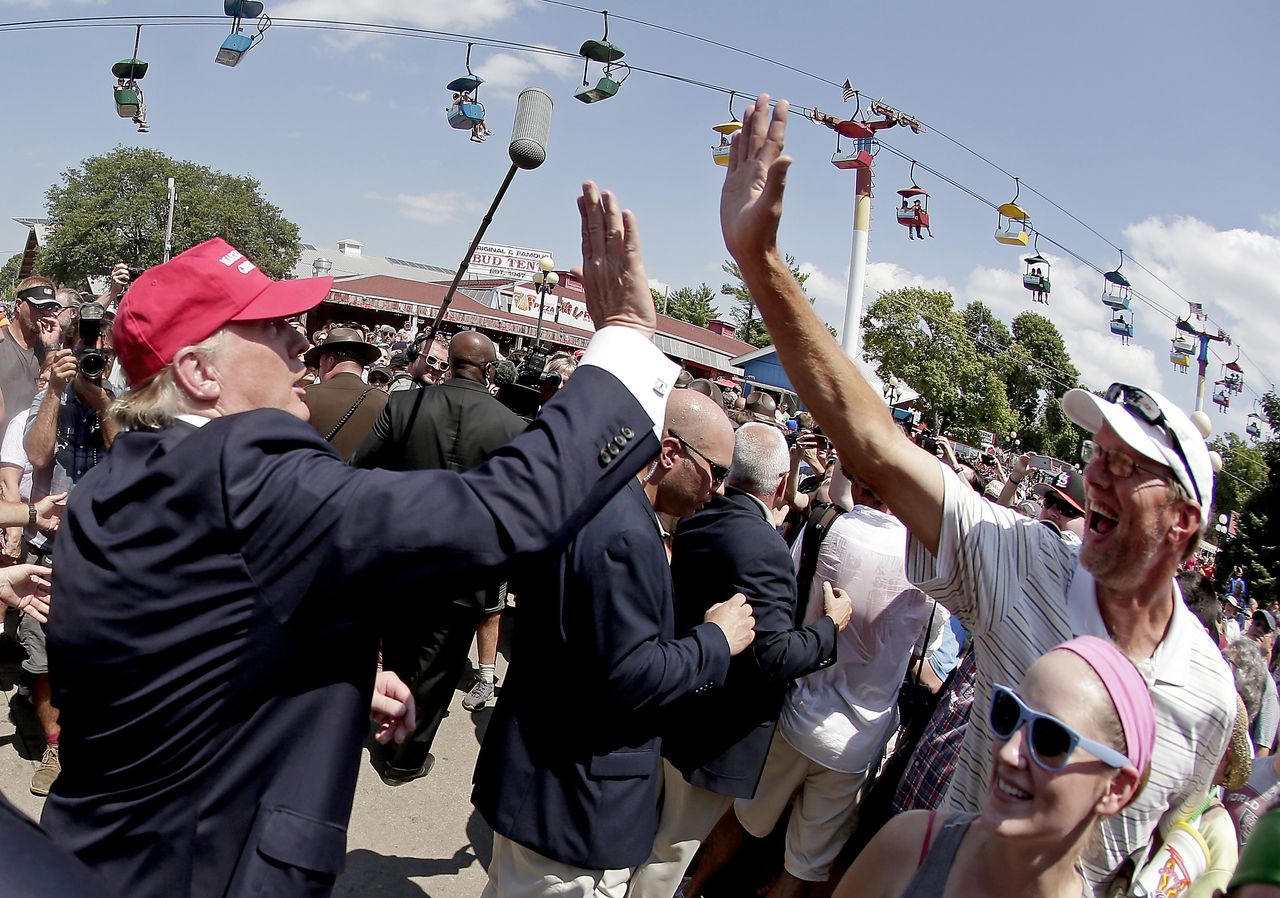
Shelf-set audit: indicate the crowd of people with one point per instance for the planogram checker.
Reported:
(780, 620)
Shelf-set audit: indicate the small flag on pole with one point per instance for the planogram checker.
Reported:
(1197, 310)
(847, 91)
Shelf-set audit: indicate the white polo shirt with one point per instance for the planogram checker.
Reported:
(1020, 590)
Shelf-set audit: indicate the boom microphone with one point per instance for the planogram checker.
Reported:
(529, 134)
(528, 150)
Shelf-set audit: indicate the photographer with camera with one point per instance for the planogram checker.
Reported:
(67, 432)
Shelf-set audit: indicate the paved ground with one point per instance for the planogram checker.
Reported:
(422, 838)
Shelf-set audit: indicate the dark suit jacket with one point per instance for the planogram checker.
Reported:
(455, 425)
(570, 763)
(331, 399)
(214, 707)
(719, 740)
(37, 868)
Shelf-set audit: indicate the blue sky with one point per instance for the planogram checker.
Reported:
(1150, 121)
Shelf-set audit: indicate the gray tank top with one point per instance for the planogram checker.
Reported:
(931, 878)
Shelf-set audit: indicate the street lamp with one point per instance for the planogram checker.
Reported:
(892, 388)
(546, 278)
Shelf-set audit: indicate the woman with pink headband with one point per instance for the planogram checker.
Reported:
(1072, 744)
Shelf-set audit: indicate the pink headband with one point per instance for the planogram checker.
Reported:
(1128, 691)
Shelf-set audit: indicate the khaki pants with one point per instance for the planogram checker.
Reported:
(688, 815)
(519, 872)
(824, 815)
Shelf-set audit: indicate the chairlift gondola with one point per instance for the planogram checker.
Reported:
(467, 112)
(608, 55)
(1221, 396)
(861, 152)
(1122, 326)
(915, 217)
(1013, 223)
(1116, 288)
(1181, 350)
(129, 100)
(237, 44)
(1036, 277)
(726, 130)
(1233, 375)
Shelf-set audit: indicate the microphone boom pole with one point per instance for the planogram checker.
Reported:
(528, 150)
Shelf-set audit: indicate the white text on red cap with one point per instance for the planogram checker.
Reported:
(230, 259)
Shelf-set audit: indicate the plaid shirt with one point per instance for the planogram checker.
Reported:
(929, 771)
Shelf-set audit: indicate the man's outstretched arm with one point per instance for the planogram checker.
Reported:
(851, 413)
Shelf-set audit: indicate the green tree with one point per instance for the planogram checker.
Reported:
(750, 328)
(692, 304)
(1244, 468)
(1256, 545)
(919, 337)
(113, 208)
(9, 277)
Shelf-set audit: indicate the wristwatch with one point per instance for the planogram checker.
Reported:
(31, 515)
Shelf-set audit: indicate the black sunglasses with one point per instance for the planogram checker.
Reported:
(718, 471)
(1065, 508)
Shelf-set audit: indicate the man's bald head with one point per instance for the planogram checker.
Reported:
(698, 443)
(471, 355)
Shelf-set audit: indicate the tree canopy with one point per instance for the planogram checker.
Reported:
(113, 208)
(750, 327)
(692, 304)
(1255, 547)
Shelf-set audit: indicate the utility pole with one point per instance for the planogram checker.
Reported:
(862, 133)
(1202, 359)
(168, 228)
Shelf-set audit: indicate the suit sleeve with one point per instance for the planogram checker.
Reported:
(780, 652)
(643, 671)
(304, 517)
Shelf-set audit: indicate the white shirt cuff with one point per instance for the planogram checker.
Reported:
(643, 369)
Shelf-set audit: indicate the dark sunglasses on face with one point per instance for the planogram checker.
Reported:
(1064, 508)
(1051, 741)
(718, 471)
(378, 381)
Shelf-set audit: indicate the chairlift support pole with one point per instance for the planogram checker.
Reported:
(1202, 359)
(852, 332)
(168, 228)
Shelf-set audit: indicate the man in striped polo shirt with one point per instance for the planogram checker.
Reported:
(1014, 584)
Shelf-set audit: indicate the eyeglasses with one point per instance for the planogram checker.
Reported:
(718, 471)
(437, 364)
(1142, 406)
(1118, 464)
(1051, 741)
(50, 307)
(1065, 508)
(379, 381)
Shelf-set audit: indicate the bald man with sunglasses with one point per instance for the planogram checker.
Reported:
(1017, 586)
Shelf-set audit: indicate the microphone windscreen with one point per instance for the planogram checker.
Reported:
(532, 128)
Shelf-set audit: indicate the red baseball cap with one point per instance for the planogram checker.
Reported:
(190, 297)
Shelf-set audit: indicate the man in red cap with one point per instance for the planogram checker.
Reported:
(215, 638)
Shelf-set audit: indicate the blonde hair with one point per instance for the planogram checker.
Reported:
(155, 404)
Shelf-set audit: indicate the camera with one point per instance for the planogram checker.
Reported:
(524, 395)
(91, 359)
(135, 272)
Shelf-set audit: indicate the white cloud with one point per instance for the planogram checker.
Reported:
(419, 13)
(830, 292)
(355, 96)
(440, 207)
(505, 74)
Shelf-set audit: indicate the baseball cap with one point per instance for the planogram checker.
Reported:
(1067, 484)
(188, 298)
(1155, 428)
(1266, 618)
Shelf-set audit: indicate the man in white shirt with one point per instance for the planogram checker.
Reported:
(1017, 586)
(835, 722)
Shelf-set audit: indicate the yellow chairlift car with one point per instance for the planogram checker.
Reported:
(726, 130)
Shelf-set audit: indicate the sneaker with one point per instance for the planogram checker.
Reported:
(479, 696)
(47, 772)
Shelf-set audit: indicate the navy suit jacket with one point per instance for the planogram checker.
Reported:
(719, 740)
(219, 595)
(570, 765)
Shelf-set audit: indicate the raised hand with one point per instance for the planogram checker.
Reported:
(612, 272)
(751, 199)
(735, 620)
(392, 708)
(26, 587)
